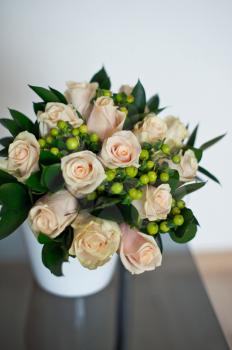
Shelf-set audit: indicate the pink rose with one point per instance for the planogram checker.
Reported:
(127, 89)
(52, 213)
(150, 129)
(155, 203)
(80, 96)
(105, 118)
(121, 150)
(138, 251)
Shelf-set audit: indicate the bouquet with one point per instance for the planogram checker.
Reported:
(100, 173)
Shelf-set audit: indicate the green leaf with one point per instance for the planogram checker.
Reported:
(140, 96)
(153, 103)
(12, 126)
(60, 96)
(173, 179)
(6, 141)
(185, 234)
(6, 178)
(187, 231)
(23, 121)
(16, 204)
(47, 158)
(130, 214)
(102, 78)
(119, 213)
(161, 110)
(34, 182)
(45, 94)
(158, 240)
(43, 239)
(4, 152)
(130, 121)
(109, 213)
(53, 256)
(192, 137)
(104, 202)
(187, 189)
(52, 177)
(39, 107)
(65, 239)
(212, 142)
(208, 174)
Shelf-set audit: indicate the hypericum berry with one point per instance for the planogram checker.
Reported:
(83, 129)
(72, 143)
(176, 159)
(49, 139)
(55, 151)
(139, 194)
(75, 131)
(152, 176)
(178, 220)
(173, 202)
(62, 124)
(94, 137)
(164, 177)
(101, 188)
(180, 203)
(135, 194)
(164, 226)
(107, 93)
(124, 110)
(144, 179)
(119, 97)
(130, 99)
(152, 228)
(42, 143)
(131, 171)
(165, 148)
(175, 211)
(110, 174)
(144, 155)
(54, 132)
(92, 196)
(150, 164)
(116, 188)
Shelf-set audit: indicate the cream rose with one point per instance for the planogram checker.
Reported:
(188, 166)
(122, 149)
(80, 96)
(23, 156)
(105, 118)
(151, 129)
(55, 111)
(176, 131)
(82, 172)
(138, 252)
(95, 240)
(52, 213)
(155, 203)
(127, 89)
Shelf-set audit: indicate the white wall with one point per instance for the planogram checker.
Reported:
(181, 49)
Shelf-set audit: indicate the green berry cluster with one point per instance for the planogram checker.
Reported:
(122, 99)
(174, 220)
(65, 139)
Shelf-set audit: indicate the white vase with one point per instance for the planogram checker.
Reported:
(77, 280)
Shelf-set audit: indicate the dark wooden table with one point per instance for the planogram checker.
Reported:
(168, 309)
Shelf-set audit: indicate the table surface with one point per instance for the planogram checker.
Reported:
(162, 310)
